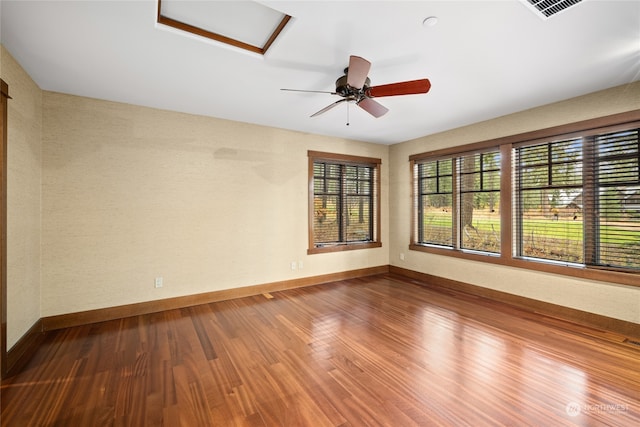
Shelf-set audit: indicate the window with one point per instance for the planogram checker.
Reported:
(435, 203)
(577, 200)
(563, 200)
(548, 210)
(457, 200)
(344, 202)
(479, 178)
(614, 229)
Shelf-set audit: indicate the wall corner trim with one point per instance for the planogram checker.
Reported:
(24, 349)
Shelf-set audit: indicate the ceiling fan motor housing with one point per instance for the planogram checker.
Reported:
(346, 91)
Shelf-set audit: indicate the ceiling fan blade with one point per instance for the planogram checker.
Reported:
(310, 91)
(411, 87)
(358, 71)
(328, 107)
(372, 107)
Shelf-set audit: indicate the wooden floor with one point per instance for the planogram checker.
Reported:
(375, 351)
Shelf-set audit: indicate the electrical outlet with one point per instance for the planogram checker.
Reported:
(401, 257)
(293, 265)
(300, 265)
(158, 282)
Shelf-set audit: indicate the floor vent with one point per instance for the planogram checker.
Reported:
(632, 342)
(547, 8)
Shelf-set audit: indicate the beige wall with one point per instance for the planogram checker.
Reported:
(114, 195)
(621, 302)
(132, 193)
(23, 199)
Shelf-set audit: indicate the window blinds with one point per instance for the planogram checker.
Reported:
(578, 200)
(344, 197)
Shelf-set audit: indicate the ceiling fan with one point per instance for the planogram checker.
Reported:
(354, 86)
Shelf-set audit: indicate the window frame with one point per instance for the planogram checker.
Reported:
(507, 255)
(344, 160)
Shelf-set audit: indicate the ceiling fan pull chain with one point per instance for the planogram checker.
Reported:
(347, 114)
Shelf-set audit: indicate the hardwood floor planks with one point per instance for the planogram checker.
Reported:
(378, 351)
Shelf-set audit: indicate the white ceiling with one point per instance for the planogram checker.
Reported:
(484, 59)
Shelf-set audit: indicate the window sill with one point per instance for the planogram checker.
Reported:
(629, 278)
(339, 247)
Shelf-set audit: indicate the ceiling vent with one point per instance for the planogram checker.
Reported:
(547, 8)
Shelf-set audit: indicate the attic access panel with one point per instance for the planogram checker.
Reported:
(244, 24)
